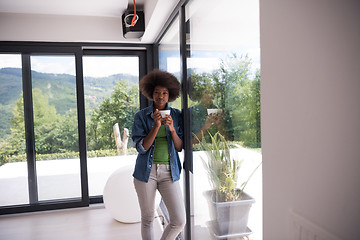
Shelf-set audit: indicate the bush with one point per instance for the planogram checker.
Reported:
(67, 155)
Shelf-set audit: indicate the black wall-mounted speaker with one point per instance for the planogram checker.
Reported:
(138, 29)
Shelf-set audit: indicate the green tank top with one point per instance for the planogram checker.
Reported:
(161, 153)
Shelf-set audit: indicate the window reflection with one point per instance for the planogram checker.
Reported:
(224, 76)
(169, 55)
(207, 110)
(228, 100)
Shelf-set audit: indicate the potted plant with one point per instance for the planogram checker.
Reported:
(229, 205)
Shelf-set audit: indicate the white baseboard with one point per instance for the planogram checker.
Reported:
(303, 229)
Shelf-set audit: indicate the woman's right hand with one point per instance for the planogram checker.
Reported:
(157, 118)
(208, 123)
(214, 118)
(149, 139)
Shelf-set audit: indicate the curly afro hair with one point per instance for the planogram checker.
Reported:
(160, 78)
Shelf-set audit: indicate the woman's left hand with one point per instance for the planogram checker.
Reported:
(169, 122)
(177, 141)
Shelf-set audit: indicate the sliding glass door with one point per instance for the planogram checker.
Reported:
(39, 138)
(43, 164)
(111, 86)
(13, 168)
(55, 127)
(45, 102)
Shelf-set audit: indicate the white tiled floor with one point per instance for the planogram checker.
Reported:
(91, 223)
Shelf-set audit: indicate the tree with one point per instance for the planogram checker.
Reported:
(45, 123)
(256, 117)
(119, 108)
(242, 99)
(53, 132)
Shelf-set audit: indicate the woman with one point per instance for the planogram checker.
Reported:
(204, 124)
(158, 141)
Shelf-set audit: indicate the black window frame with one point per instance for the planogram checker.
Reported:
(145, 53)
(179, 11)
(142, 72)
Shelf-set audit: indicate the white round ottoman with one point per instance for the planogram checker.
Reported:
(120, 197)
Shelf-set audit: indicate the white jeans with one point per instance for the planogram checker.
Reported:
(160, 179)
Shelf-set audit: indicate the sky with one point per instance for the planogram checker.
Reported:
(105, 66)
(10, 60)
(92, 66)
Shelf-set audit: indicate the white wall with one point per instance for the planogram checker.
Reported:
(37, 27)
(310, 72)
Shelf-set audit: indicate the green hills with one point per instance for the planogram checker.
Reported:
(59, 88)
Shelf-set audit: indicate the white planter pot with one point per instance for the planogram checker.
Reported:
(229, 218)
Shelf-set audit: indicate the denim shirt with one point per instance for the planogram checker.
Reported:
(143, 122)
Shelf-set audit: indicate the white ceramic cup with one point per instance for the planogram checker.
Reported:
(213, 110)
(164, 113)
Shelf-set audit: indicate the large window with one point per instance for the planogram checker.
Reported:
(221, 86)
(48, 94)
(39, 139)
(223, 72)
(221, 93)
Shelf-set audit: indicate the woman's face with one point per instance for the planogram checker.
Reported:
(161, 97)
(206, 99)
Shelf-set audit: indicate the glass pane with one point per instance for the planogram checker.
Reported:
(55, 127)
(13, 167)
(169, 55)
(223, 68)
(169, 60)
(111, 85)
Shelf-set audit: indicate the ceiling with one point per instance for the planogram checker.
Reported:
(103, 8)
(211, 31)
(156, 12)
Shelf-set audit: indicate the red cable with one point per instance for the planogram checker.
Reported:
(133, 21)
